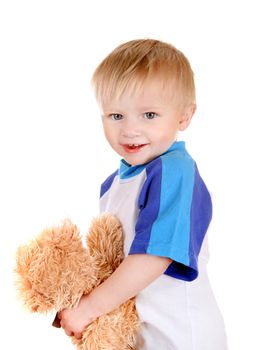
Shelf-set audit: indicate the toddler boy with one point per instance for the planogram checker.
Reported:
(145, 90)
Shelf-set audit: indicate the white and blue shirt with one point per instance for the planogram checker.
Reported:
(165, 210)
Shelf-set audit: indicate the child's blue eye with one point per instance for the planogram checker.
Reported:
(116, 116)
(150, 115)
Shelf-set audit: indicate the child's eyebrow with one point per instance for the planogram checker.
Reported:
(111, 111)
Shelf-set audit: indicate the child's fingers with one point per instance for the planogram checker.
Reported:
(68, 332)
(78, 335)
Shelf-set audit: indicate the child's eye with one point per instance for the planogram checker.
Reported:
(150, 115)
(116, 116)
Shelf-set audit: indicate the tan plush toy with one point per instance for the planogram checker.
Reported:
(55, 270)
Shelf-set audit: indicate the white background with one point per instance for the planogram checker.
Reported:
(54, 157)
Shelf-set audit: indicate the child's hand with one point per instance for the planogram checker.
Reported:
(74, 321)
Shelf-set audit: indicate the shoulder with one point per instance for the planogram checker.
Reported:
(105, 186)
(178, 161)
(172, 165)
(168, 176)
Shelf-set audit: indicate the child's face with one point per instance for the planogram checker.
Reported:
(142, 126)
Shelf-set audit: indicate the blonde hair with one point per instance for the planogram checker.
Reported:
(136, 62)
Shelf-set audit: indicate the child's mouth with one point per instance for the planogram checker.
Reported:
(133, 148)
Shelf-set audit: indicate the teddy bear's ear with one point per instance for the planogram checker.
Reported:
(105, 244)
(52, 270)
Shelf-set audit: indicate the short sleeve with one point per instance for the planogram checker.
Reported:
(175, 210)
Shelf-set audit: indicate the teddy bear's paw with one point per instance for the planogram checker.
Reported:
(105, 243)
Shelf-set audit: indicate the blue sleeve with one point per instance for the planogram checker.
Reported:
(175, 210)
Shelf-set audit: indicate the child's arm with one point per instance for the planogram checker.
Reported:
(134, 274)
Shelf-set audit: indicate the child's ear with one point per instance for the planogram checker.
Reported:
(187, 116)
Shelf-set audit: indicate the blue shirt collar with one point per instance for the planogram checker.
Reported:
(126, 170)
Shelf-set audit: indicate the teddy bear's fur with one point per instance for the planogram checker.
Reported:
(55, 269)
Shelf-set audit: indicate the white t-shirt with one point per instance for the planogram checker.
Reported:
(165, 210)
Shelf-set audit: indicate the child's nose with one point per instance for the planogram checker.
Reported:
(130, 130)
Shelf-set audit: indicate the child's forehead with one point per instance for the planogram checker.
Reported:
(146, 91)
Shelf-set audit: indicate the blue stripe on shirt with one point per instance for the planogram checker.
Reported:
(200, 217)
(107, 183)
(148, 206)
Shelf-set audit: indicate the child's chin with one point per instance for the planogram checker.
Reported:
(138, 161)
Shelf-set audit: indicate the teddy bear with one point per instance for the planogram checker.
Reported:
(55, 269)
